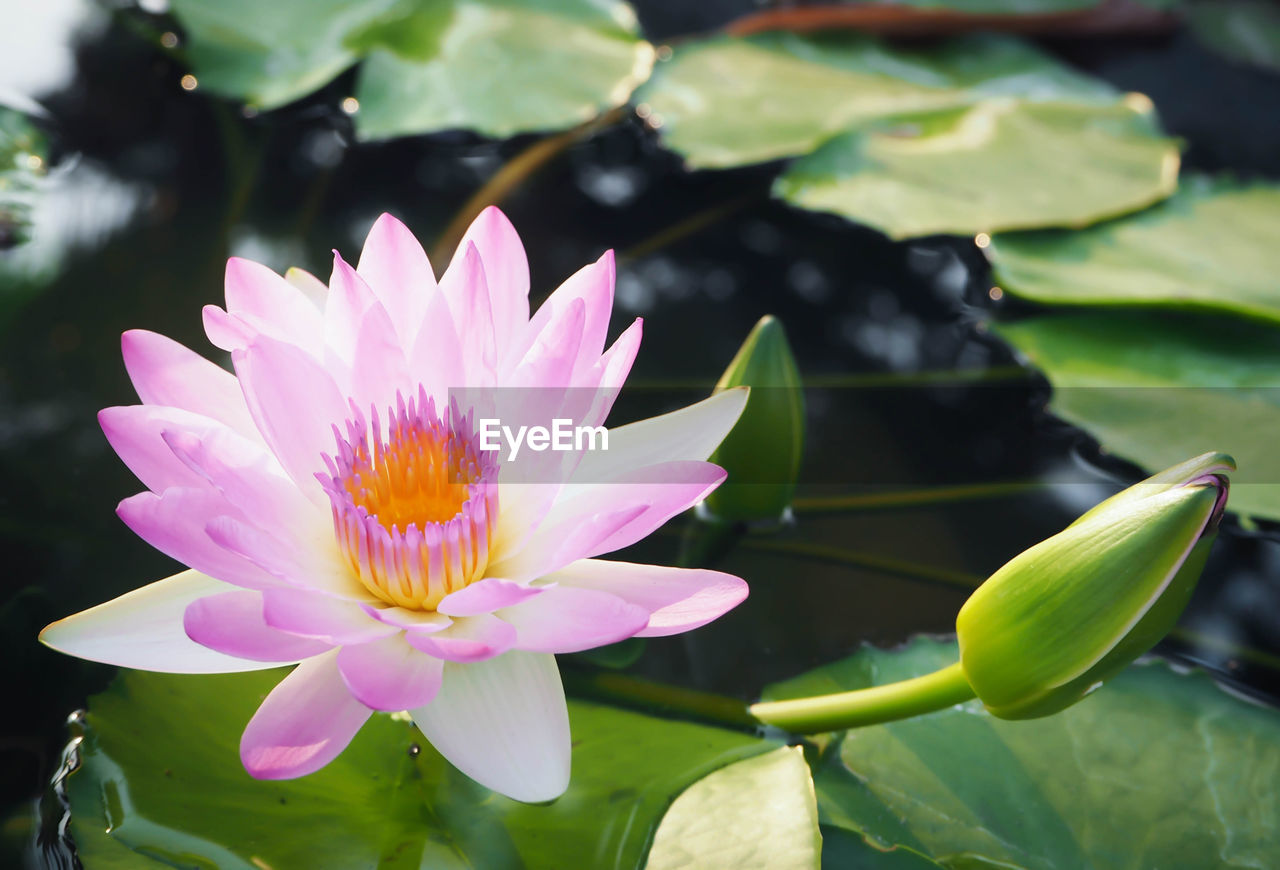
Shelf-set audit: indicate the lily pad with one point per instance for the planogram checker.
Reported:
(1001, 164)
(501, 67)
(160, 778)
(726, 102)
(1242, 30)
(21, 168)
(1156, 769)
(270, 54)
(1211, 245)
(1155, 388)
(494, 66)
(759, 813)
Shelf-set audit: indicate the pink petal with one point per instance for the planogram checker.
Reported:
(553, 546)
(143, 629)
(593, 285)
(226, 331)
(678, 599)
(295, 404)
(506, 271)
(663, 491)
(315, 290)
(248, 476)
(380, 372)
(566, 619)
(297, 565)
(609, 373)
(485, 596)
(551, 358)
(174, 523)
(350, 299)
(321, 616)
(504, 723)
(165, 372)
(272, 306)
(135, 432)
(231, 623)
(396, 268)
(306, 721)
(390, 675)
(416, 621)
(465, 288)
(436, 360)
(470, 639)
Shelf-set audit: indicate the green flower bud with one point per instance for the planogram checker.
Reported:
(762, 454)
(1060, 618)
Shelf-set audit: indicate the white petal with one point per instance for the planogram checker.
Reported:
(691, 433)
(143, 629)
(504, 723)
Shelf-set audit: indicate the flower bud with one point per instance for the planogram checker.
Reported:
(762, 454)
(1060, 618)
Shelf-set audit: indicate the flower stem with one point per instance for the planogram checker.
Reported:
(514, 173)
(901, 700)
(910, 497)
(645, 694)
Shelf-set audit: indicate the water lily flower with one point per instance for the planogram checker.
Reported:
(337, 510)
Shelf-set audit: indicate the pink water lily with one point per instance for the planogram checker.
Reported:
(336, 509)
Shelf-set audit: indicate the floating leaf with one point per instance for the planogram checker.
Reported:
(1211, 245)
(726, 102)
(160, 777)
(494, 66)
(1155, 388)
(1157, 769)
(758, 813)
(1243, 30)
(270, 53)
(21, 167)
(501, 67)
(1002, 164)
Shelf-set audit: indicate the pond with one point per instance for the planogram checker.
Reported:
(932, 454)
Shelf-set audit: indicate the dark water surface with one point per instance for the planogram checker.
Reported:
(161, 185)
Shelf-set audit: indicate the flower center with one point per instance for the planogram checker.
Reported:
(413, 511)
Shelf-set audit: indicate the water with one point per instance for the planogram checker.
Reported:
(158, 186)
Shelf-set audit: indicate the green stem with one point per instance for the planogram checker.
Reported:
(901, 700)
(514, 173)
(689, 226)
(879, 564)
(646, 695)
(909, 498)
(856, 380)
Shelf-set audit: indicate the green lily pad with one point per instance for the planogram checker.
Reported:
(1211, 245)
(725, 102)
(494, 66)
(1001, 164)
(1155, 388)
(1243, 30)
(21, 166)
(270, 54)
(759, 813)
(501, 67)
(160, 778)
(1156, 769)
